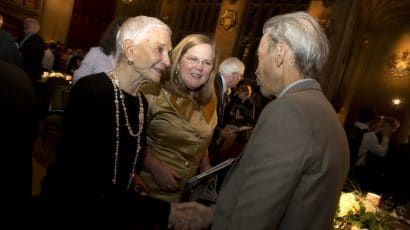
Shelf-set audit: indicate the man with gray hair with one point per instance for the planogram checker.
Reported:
(295, 164)
(31, 47)
(230, 72)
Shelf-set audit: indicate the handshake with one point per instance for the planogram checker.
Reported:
(190, 215)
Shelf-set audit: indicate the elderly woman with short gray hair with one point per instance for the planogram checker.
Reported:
(104, 140)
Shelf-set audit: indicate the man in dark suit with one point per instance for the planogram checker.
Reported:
(230, 72)
(31, 47)
(8, 49)
(295, 164)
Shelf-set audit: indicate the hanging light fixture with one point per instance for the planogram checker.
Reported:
(127, 1)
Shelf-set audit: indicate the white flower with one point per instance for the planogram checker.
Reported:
(348, 202)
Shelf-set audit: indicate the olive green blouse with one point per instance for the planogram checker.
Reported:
(179, 132)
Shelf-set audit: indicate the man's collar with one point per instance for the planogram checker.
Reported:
(224, 88)
(29, 34)
(293, 84)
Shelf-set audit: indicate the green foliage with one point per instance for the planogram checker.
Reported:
(362, 219)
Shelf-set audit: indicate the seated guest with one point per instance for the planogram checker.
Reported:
(102, 58)
(96, 172)
(182, 117)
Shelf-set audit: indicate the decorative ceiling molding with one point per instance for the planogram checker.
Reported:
(381, 13)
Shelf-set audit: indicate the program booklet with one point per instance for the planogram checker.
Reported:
(205, 186)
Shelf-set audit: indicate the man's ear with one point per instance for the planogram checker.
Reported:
(128, 47)
(280, 53)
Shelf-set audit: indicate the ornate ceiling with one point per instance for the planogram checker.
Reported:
(381, 13)
(389, 20)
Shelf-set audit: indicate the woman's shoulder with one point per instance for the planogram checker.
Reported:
(150, 89)
(93, 82)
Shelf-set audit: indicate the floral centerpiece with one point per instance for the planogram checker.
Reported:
(357, 211)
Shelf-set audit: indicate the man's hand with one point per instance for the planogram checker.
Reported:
(191, 215)
(229, 130)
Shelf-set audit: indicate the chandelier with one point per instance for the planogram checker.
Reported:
(399, 64)
(127, 1)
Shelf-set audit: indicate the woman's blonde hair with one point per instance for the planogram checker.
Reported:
(173, 81)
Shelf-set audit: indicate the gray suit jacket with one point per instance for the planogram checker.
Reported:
(293, 167)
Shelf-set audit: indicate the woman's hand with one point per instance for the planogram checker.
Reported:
(166, 178)
(205, 164)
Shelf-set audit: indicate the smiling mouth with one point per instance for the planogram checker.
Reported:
(195, 75)
(159, 70)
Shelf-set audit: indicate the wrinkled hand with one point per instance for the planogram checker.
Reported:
(191, 215)
(229, 130)
(166, 178)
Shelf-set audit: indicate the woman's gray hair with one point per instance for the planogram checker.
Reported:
(137, 29)
(231, 65)
(304, 36)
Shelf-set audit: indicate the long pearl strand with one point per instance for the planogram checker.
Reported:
(119, 98)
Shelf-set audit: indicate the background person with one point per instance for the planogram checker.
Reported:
(182, 117)
(240, 113)
(31, 47)
(8, 49)
(230, 72)
(102, 58)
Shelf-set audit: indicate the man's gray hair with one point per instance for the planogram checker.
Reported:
(137, 29)
(33, 22)
(304, 36)
(231, 65)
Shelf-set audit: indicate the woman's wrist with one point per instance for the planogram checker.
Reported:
(150, 162)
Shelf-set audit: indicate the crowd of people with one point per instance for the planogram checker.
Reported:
(144, 117)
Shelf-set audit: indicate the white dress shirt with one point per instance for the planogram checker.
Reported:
(95, 61)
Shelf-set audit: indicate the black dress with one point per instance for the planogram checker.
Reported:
(17, 133)
(82, 177)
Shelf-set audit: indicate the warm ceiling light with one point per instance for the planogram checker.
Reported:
(127, 1)
(399, 64)
(396, 101)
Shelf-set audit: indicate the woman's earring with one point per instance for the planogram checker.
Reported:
(130, 61)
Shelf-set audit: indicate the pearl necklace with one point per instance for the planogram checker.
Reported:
(119, 98)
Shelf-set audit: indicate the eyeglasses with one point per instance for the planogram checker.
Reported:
(192, 60)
